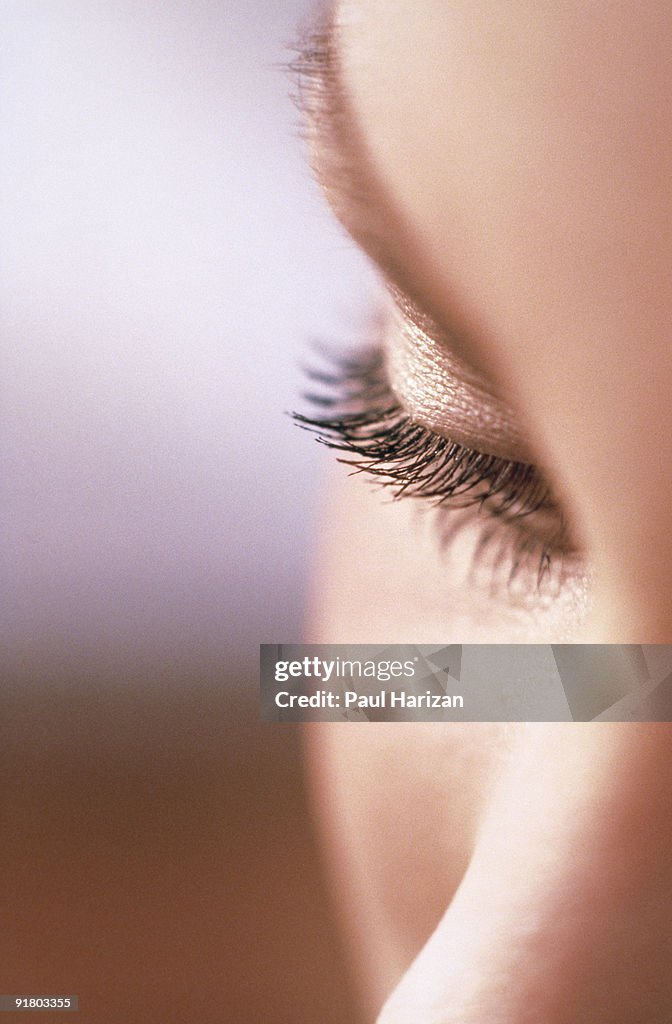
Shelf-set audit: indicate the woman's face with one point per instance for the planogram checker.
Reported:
(508, 168)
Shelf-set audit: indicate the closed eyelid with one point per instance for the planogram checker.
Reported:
(431, 371)
(443, 393)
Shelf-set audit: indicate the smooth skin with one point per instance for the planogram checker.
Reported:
(516, 874)
(534, 193)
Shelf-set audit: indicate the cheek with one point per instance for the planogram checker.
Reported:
(382, 573)
(397, 853)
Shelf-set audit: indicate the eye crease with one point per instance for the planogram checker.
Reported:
(360, 417)
(442, 392)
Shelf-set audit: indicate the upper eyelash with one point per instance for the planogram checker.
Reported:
(363, 419)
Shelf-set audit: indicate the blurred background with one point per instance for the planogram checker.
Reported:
(166, 261)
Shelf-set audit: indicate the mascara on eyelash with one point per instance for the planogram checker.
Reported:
(361, 417)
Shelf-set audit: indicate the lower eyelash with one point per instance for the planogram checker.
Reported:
(362, 418)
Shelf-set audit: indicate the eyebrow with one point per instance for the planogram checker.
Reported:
(354, 188)
(340, 159)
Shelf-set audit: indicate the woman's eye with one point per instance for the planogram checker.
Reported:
(523, 534)
(410, 412)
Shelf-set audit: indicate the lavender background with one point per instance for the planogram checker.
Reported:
(166, 258)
